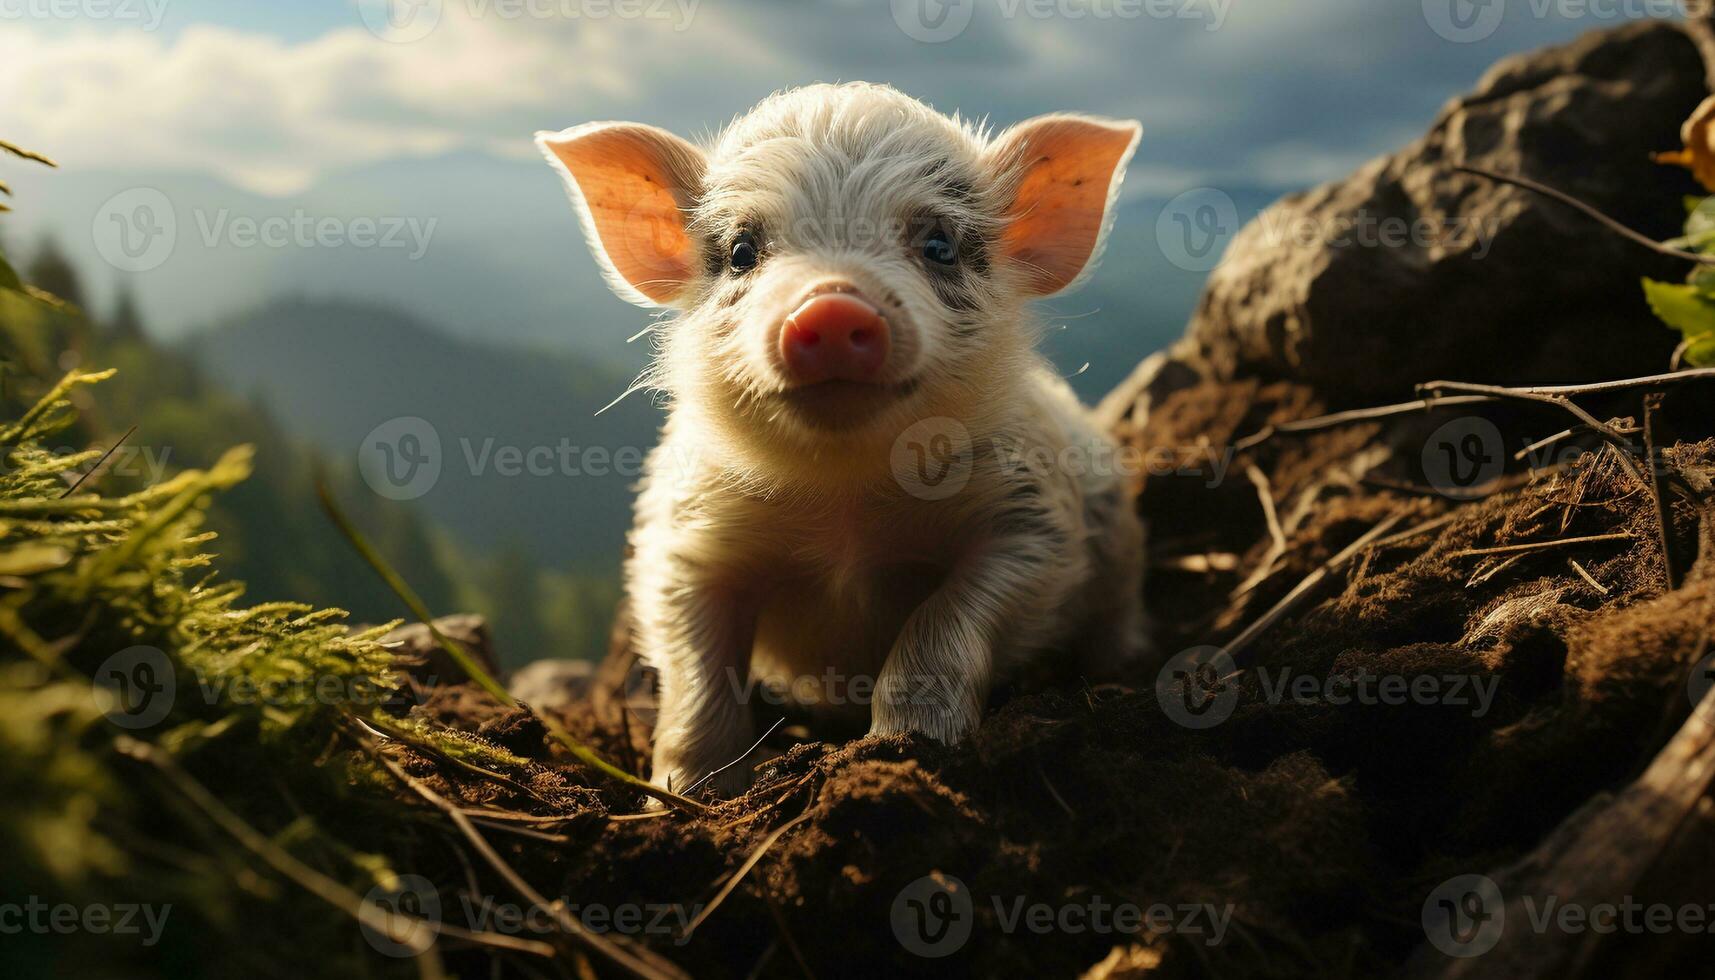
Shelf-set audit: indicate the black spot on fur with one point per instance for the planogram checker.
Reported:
(954, 291)
(974, 254)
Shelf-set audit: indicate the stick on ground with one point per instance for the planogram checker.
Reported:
(744, 869)
(634, 959)
(1308, 585)
(1589, 211)
(1507, 549)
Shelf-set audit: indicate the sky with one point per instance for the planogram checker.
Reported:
(392, 112)
(273, 95)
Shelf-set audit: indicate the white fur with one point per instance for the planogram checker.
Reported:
(775, 542)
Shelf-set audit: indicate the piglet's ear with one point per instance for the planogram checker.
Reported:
(1065, 171)
(632, 185)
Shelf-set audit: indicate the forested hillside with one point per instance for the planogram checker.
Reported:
(272, 535)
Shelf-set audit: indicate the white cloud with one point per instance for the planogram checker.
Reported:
(1246, 103)
(272, 116)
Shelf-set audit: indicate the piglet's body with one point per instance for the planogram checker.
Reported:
(868, 477)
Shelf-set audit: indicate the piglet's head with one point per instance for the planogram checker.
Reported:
(845, 259)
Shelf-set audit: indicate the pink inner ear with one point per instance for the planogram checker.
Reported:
(1068, 166)
(634, 181)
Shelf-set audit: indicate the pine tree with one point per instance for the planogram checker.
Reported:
(127, 321)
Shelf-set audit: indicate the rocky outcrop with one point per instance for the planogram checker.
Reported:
(552, 685)
(427, 663)
(1406, 270)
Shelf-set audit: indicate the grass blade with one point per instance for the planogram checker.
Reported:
(474, 670)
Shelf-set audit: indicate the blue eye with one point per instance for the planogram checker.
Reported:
(939, 248)
(744, 255)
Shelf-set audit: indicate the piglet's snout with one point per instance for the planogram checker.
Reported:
(834, 336)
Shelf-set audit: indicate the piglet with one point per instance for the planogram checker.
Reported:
(868, 476)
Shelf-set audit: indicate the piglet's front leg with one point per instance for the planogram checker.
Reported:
(936, 678)
(698, 637)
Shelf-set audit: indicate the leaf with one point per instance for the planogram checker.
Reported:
(1703, 278)
(1685, 308)
(1701, 352)
(19, 151)
(8, 278)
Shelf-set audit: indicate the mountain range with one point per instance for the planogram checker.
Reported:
(487, 250)
(525, 463)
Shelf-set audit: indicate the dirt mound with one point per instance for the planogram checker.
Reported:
(1451, 692)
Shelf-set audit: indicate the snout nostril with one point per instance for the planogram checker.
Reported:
(834, 335)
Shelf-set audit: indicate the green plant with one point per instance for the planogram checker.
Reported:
(256, 772)
(1689, 307)
(108, 800)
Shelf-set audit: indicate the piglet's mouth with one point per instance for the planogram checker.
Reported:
(844, 405)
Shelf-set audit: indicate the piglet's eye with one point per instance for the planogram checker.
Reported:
(744, 255)
(938, 248)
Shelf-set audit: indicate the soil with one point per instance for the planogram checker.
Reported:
(1319, 826)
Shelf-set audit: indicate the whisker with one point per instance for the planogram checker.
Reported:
(640, 383)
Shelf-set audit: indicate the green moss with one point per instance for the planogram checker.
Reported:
(109, 611)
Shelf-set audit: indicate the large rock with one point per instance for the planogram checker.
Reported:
(422, 657)
(552, 685)
(1505, 286)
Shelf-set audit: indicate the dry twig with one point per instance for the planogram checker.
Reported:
(1277, 535)
(744, 869)
(635, 960)
(1305, 587)
(1590, 212)
(1586, 576)
(1318, 422)
(1658, 486)
(1483, 574)
(1507, 549)
(282, 861)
